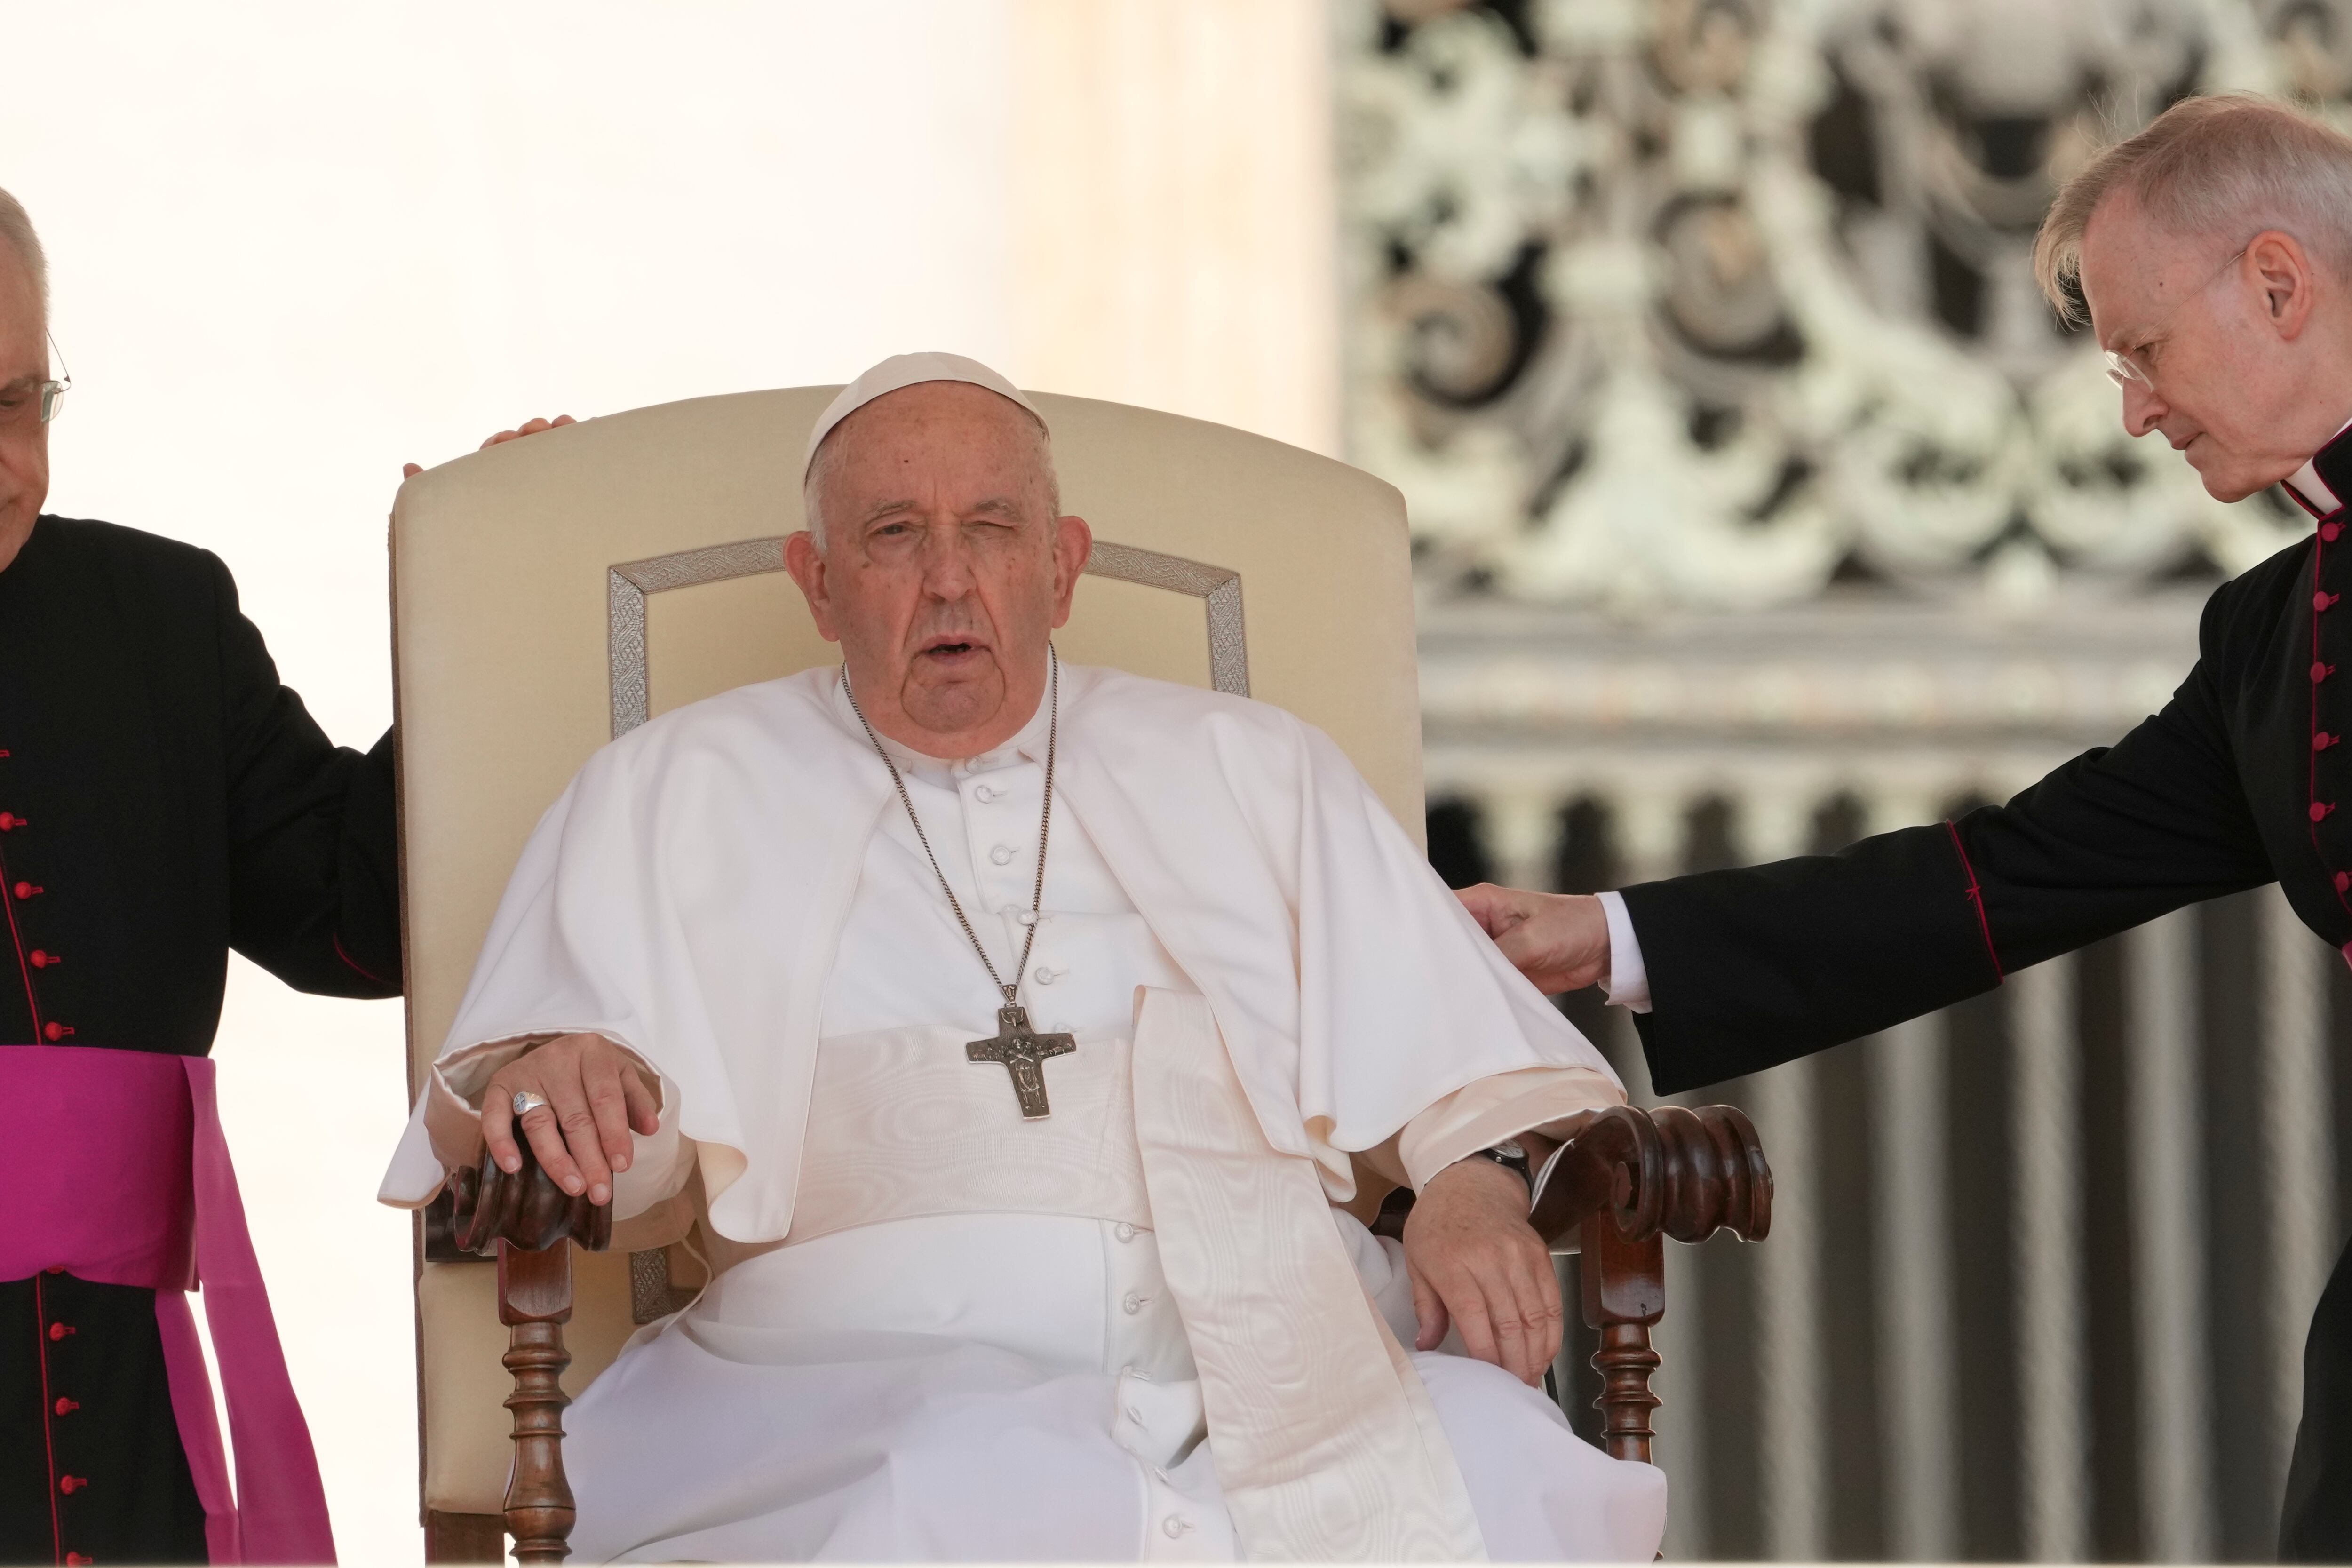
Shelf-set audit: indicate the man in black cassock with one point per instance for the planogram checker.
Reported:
(2214, 250)
(164, 798)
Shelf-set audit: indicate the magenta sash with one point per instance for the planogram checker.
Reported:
(113, 1168)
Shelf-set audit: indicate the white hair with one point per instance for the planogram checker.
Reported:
(16, 233)
(828, 456)
(2230, 166)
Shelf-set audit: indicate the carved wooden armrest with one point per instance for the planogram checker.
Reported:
(1623, 1182)
(528, 1222)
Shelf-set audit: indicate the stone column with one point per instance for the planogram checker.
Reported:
(2167, 1180)
(2045, 1133)
(1775, 824)
(2298, 1151)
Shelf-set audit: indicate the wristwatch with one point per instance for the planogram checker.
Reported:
(1512, 1158)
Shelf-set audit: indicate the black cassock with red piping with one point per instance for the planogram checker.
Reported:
(2245, 778)
(163, 800)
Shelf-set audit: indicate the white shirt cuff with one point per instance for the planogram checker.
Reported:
(1628, 984)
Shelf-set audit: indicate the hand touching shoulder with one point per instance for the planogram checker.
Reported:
(1559, 941)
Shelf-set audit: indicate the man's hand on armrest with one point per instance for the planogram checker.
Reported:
(1559, 941)
(595, 1095)
(1476, 1263)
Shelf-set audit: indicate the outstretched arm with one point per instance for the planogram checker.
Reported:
(1752, 967)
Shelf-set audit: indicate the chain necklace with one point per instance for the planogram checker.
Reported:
(1017, 1045)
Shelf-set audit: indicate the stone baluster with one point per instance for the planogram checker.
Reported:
(2168, 1213)
(1912, 1258)
(2045, 1088)
(2298, 1154)
(1772, 825)
(1522, 833)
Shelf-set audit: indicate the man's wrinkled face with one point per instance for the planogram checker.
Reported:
(23, 439)
(2213, 333)
(945, 570)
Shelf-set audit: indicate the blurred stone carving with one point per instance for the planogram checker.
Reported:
(1704, 302)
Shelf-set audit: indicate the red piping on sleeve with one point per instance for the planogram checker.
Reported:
(1975, 897)
(355, 965)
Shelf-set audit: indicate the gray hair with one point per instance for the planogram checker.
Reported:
(2229, 165)
(16, 233)
(828, 454)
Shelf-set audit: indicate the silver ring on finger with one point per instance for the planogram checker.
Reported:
(525, 1099)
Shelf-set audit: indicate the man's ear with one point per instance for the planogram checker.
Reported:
(807, 567)
(2278, 264)
(1074, 542)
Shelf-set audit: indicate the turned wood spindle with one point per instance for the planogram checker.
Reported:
(535, 1301)
(1625, 1293)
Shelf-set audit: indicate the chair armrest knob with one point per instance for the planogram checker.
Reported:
(1684, 1173)
(526, 1209)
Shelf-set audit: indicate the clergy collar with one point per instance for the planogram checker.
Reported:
(1028, 745)
(2323, 484)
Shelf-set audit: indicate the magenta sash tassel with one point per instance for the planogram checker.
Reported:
(115, 1171)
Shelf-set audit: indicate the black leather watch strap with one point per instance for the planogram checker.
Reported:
(1511, 1157)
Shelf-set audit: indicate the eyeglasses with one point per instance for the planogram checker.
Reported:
(53, 393)
(28, 406)
(2124, 369)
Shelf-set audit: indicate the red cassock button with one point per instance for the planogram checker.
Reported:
(60, 1330)
(60, 1031)
(41, 960)
(2344, 882)
(72, 1484)
(2328, 530)
(68, 1406)
(9, 819)
(25, 890)
(2319, 671)
(2318, 809)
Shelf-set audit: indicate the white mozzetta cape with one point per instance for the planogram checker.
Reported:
(685, 894)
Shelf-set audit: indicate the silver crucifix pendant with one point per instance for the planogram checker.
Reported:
(1023, 1051)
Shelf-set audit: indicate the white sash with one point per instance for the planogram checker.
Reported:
(1325, 1443)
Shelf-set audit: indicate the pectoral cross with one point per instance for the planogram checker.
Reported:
(1023, 1051)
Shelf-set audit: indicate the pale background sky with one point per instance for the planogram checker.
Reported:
(292, 246)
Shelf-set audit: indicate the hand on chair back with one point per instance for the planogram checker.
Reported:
(528, 428)
(596, 1095)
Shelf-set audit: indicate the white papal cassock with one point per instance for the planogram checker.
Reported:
(1133, 1328)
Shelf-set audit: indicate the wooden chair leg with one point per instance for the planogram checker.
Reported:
(1624, 1292)
(535, 1301)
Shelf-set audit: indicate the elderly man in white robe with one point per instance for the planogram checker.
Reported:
(1009, 1026)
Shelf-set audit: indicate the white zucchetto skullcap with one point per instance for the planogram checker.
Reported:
(902, 371)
